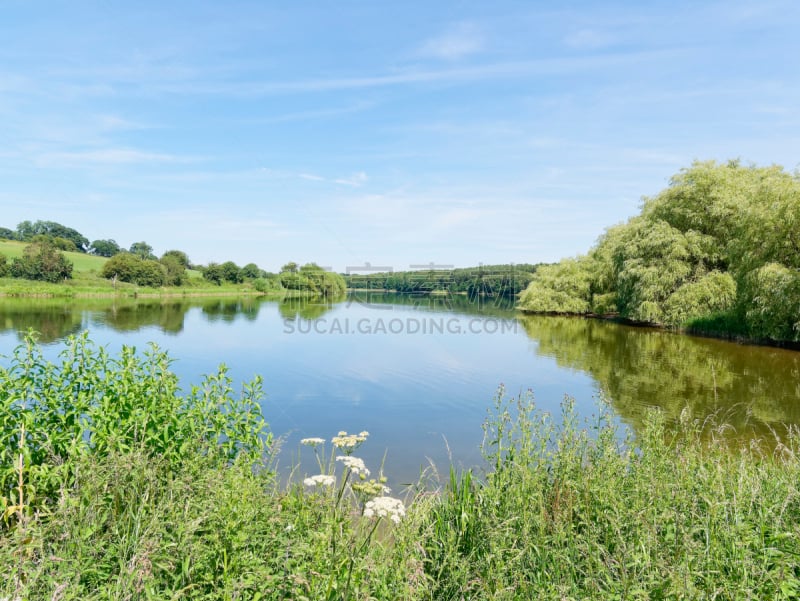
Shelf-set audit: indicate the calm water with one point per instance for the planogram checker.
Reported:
(420, 373)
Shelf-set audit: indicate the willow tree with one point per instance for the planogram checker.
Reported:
(722, 240)
(560, 288)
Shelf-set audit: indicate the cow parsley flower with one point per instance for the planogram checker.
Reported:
(348, 442)
(312, 442)
(371, 488)
(320, 480)
(385, 507)
(354, 464)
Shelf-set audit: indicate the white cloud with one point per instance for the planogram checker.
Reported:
(457, 42)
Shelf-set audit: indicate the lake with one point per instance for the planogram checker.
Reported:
(420, 372)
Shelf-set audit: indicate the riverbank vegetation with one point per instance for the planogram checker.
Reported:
(718, 251)
(116, 485)
(41, 266)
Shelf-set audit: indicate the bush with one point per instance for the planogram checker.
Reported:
(41, 261)
(93, 404)
(127, 267)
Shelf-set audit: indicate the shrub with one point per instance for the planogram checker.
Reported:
(41, 261)
(93, 404)
(127, 267)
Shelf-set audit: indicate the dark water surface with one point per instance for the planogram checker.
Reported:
(419, 373)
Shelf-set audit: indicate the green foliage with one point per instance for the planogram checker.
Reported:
(26, 231)
(64, 244)
(41, 261)
(175, 270)
(178, 255)
(251, 271)
(712, 294)
(3, 266)
(231, 272)
(93, 404)
(142, 250)
(105, 248)
(697, 250)
(771, 301)
(127, 267)
(313, 279)
(7, 234)
(214, 274)
(270, 283)
(560, 288)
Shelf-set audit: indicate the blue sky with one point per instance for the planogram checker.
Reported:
(396, 133)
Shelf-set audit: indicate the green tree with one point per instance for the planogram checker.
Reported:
(123, 267)
(213, 273)
(175, 270)
(720, 245)
(41, 260)
(231, 272)
(251, 271)
(143, 250)
(105, 248)
(151, 274)
(7, 234)
(178, 255)
(64, 244)
(27, 230)
(3, 266)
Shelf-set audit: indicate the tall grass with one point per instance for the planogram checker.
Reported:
(128, 489)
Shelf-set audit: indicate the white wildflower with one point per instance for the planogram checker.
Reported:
(385, 507)
(349, 441)
(320, 480)
(354, 464)
(312, 442)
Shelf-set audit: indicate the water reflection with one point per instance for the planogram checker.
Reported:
(754, 389)
(455, 303)
(228, 309)
(53, 320)
(168, 316)
(308, 308)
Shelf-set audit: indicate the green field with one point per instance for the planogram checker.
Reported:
(86, 280)
(82, 262)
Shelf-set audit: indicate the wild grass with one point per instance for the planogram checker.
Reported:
(117, 486)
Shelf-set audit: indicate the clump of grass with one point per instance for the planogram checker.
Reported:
(115, 486)
(574, 511)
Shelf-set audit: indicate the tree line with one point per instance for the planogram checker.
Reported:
(491, 280)
(718, 250)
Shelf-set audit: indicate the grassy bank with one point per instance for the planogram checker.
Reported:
(89, 286)
(86, 282)
(128, 489)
